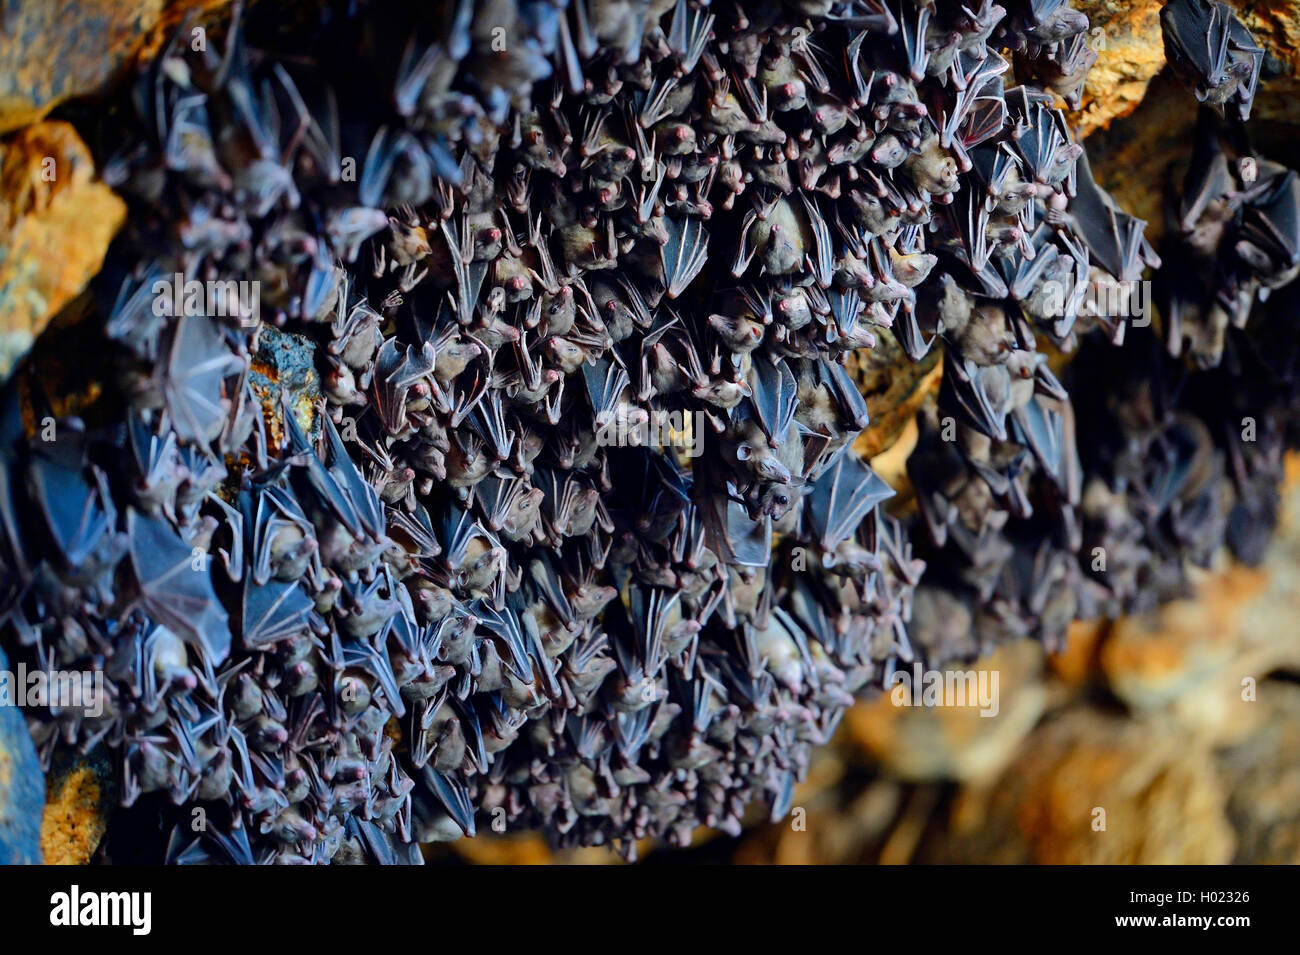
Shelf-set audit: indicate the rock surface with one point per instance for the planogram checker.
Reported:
(21, 789)
(1090, 789)
(56, 221)
(79, 800)
(52, 50)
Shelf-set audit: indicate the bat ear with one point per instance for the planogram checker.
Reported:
(744, 451)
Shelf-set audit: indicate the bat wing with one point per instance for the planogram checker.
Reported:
(684, 254)
(172, 591)
(78, 516)
(272, 612)
(1040, 430)
(605, 383)
(505, 624)
(842, 498)
(1114, 238)
(1273, 222)
(198, 365)
(362, 497)
(689, 33)
(852, 406)
(822, 260)
(775, 397)
(451, 793)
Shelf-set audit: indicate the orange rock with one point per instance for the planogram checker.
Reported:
(951, 741)
(77, 807)
(1079, 661)
(56, 222)
(55, 50)
(1156, 793)
(1130, 51)
(1263, 774)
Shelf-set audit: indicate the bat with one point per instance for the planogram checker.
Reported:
(736, 537)
(571, 506)
(278, 536)
(397, 372)
(373, 659)
(1041, 138)
(1270, 226)
(774, 397)
(1115, 240)
(842, 498)
(511, 506)
(913, 21)
(1040, 430)
(1210, 48)
(487, 419)
(820, 260)
(172, 591)
(337, 488)
(199, 362)
(688, 34)
(272, 612)
(685, 253)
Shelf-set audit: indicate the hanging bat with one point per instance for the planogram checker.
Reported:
(1210, 48)
(685, 253)
(172, 590)
(841, 499)
(198, 364)
(1115, 240)
(774, 399)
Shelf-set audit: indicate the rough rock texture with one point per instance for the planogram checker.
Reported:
(956, 741)
(54, 50)
(1126, 38)
(1130, 53)
(51, 50)
(1263, 773)
(1137, 116)
(80, 797)
(56, 222)
(20, 787)
(1161, 798)
(283, 370)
